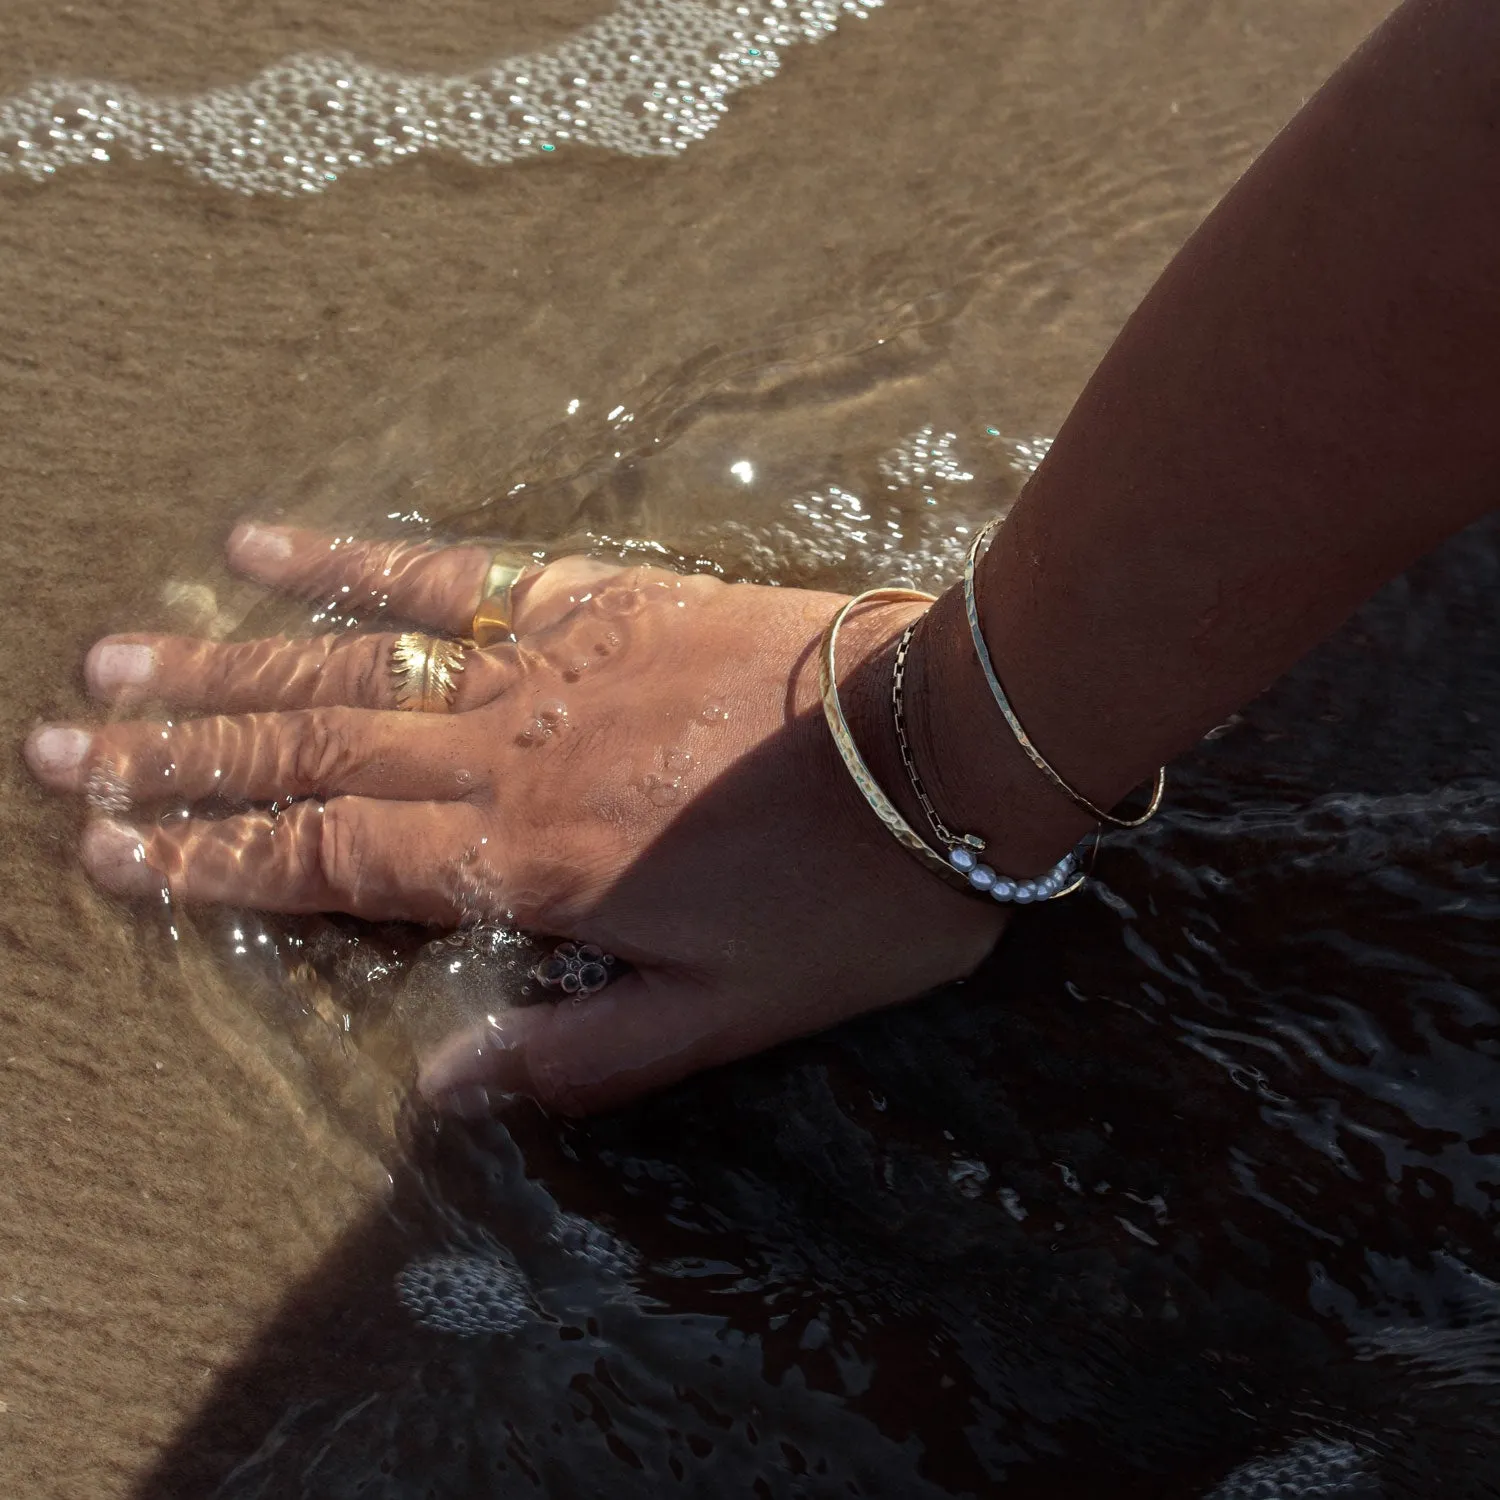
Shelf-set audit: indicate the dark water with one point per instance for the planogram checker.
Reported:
(1190, 1192)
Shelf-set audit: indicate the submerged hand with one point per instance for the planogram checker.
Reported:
(646, 768)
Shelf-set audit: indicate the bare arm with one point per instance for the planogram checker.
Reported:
(1306, 402)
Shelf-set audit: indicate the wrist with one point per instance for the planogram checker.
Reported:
(974, 772)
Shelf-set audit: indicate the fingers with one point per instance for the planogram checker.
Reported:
(577, 1057)
(436, 586)
(384, 861)
(255, 676)
(261, 757)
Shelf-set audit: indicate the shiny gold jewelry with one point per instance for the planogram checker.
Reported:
(494, 619)
(971, 608)
(838, 726)
(425, 669)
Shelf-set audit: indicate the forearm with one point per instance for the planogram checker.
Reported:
(1307, 401)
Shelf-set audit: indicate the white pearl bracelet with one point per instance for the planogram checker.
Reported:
(1064, 877)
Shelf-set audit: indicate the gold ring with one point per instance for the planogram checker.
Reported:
(494, 618)
(426, 669)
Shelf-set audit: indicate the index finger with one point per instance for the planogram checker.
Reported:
(430, 585)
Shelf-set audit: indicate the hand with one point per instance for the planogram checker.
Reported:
(646, 769)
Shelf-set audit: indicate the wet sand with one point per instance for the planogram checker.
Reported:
(173, 357)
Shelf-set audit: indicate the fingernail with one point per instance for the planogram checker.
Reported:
(111, 666)
(259, 549)
(55, 753)
(115, 857)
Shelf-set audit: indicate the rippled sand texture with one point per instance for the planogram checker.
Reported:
(940, 214)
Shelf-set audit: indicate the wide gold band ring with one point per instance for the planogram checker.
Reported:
(494, 620)
(425, 669)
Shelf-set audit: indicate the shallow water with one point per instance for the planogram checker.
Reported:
(1195, 1177)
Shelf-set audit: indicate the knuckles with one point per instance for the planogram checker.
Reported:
(317, 752)
(363, 673)
(335, 857)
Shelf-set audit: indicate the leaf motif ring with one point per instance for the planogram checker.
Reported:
(425, 669)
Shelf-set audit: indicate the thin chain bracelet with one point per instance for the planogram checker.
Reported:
(946, 836)
(963, 849)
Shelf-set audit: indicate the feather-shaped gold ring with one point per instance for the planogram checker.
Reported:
(425, 669)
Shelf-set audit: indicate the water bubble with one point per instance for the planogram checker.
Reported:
(678, 761)
(588, 1242)
(662, 791)
(577, 969)
(466, 1295)
(713, 712)
(106, 791)
(620, 601)
(552, 712)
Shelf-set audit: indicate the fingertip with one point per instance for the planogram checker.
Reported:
(462, 1064)
(56, 755)
(114, 666)
(577, 1057)
(259, 550)
(115, 858)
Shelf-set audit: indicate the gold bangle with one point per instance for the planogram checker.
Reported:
(838, 726)
(971, 608)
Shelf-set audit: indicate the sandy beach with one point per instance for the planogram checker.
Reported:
(941, 213)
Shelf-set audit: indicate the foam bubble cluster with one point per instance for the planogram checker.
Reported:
(466, 1295)
(594, 1245)
(915, 535)
(649, 79)
(1315, 1469)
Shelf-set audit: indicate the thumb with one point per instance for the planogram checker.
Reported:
(576, 1057)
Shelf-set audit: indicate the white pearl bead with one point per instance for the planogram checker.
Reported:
(981, 877)
(962, 859)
